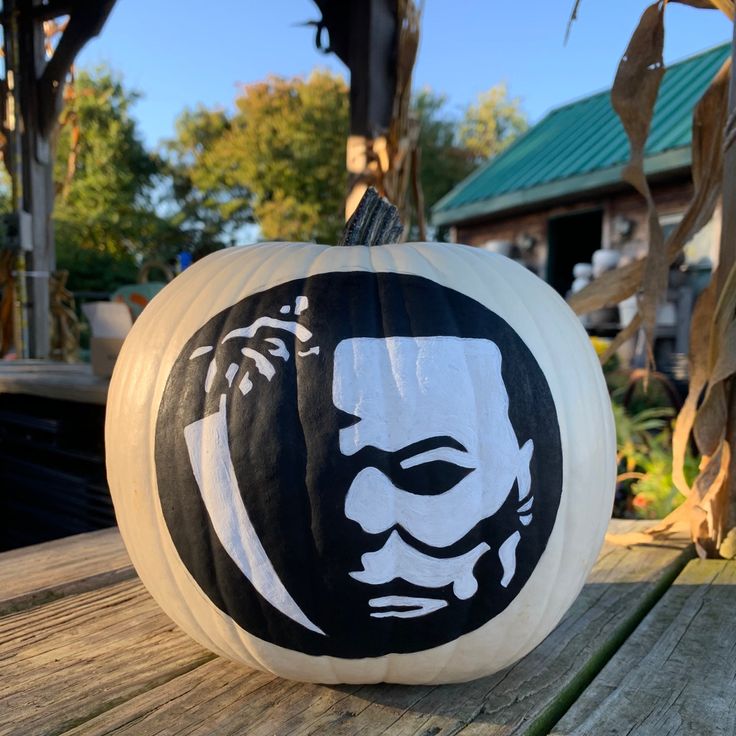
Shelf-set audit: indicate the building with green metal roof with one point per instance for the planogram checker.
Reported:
(568, 167)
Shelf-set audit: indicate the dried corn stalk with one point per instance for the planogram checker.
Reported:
(7, 299)
(633, 96)
(64, 321)
(709, 510)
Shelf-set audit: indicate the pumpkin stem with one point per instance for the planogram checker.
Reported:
(375, 222)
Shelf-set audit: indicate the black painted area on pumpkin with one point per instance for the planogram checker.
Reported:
(283, 438)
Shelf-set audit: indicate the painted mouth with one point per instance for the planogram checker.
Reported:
(397, 559)
(400, 606)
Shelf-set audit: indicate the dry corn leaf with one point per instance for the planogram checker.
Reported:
(725, 365)
(628, 332)
(710, 421)
(636, 86)
(608, 289)
(674, 525)
(725, 6)
(707, 507)
(695, 513)
(724, 314)
(709, 119)
(727, 550)
(700, 326)
(633, 97)
(674, 530)
(573, 18)
(704, 4)
(709, 427)
(710, 503)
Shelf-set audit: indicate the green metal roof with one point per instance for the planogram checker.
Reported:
(582, 146)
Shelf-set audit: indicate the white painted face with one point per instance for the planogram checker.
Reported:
(405, 390)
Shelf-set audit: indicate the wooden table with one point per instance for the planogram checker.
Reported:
(649, 647)
(52, 380)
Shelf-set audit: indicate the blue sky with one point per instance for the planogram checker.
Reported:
(203, 56)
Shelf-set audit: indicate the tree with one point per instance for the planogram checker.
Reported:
(444, 161)
(452, 148)
(209, 202)
(105, 181)
(279, 158)
(492, 123)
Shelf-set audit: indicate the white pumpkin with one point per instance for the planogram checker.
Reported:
(353, 464)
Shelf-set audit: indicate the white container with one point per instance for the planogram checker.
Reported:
(627, 310)
(582, 270)
(604, 260)
(579, 284)
(502, 247)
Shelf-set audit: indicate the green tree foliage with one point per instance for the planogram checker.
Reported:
(444, 161)
(209, 201)
(452, 147)
(277, 160)
(105, 181)
(492, 123)
(280, 157)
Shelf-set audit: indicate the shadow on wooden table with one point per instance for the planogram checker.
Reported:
(85, 650)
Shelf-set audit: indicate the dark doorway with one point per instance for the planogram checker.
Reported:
(571, 239)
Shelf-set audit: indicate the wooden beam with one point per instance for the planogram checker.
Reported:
(55, 8)
(363, 35)
(83, 25)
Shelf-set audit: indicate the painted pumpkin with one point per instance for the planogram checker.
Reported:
(361, 464)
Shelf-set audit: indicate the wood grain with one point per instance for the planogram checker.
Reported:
(527, 698)
(64, 662)
(33, 575)
(53, 381)
(676, 675)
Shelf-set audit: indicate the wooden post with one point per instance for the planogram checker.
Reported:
(36, 170)
(34, 84)
(363, 34)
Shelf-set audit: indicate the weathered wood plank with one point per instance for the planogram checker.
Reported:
(65, 662)
(53, 381)
(524, 699)
(41, 573)
(676, 674)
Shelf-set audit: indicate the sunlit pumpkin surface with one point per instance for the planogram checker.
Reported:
(362, 461)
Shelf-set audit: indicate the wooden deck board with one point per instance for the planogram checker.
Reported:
(155, 681)
(66, 661)
(33, 575)
(52, 380)
(676, 674)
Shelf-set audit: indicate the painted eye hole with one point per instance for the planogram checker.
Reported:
(433, 471)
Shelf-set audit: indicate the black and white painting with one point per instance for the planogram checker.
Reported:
(354, 464)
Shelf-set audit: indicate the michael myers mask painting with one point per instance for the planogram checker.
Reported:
(355, 464)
